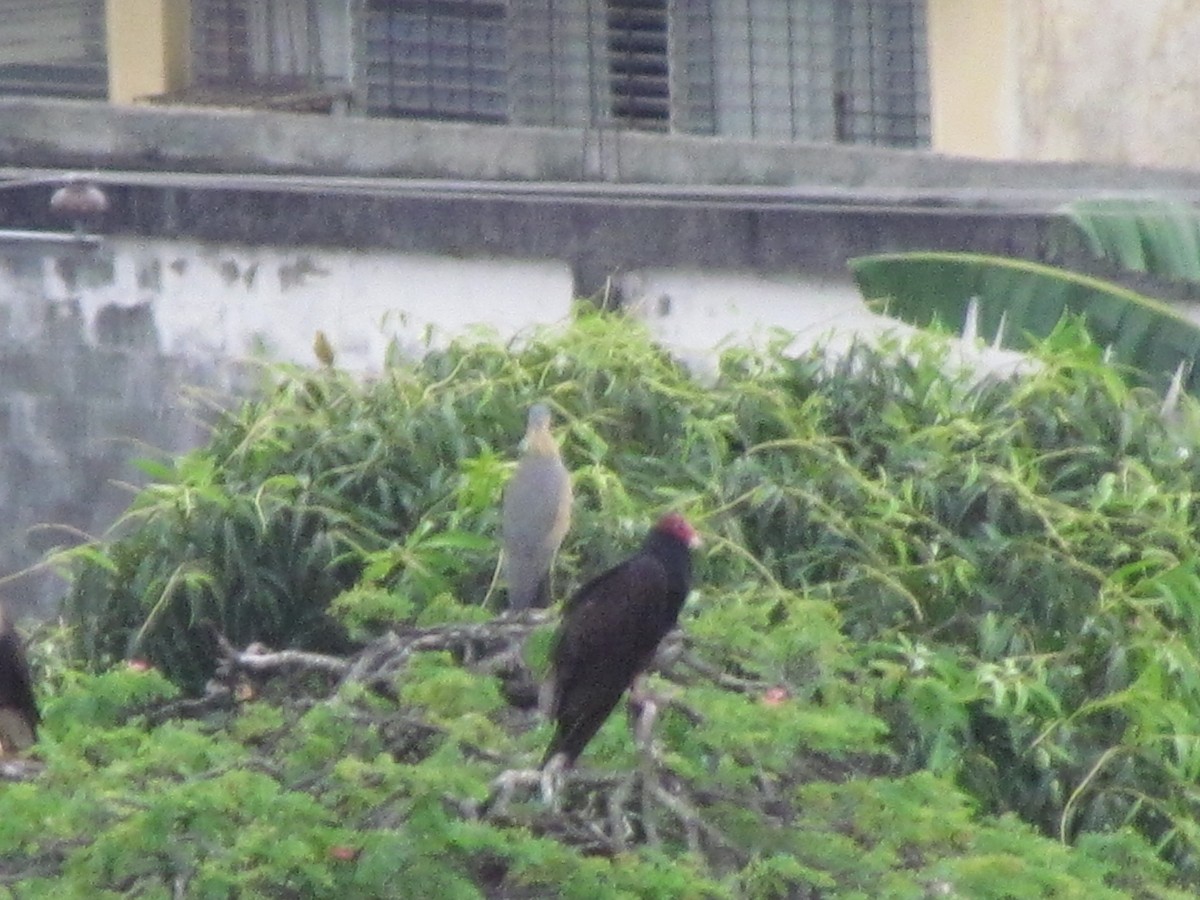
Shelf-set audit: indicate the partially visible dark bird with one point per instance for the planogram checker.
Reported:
(80, 201)
(536, 514)
(19, 717)
(609, 633)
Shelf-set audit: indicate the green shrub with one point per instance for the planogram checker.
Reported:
(992, 581)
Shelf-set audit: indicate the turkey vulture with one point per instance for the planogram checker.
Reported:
(609, 633)
(19, 716)
(537, 513)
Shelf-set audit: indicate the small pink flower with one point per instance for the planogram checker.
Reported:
(776, 696)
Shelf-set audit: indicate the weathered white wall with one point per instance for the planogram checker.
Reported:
(211, 303)
(215, 302)
(1108, 81)
(695, 313)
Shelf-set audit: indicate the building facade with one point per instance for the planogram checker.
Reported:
(851, 71)
(1109, 81)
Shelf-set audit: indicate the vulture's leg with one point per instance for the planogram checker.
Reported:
(643, 712)
(552, 775)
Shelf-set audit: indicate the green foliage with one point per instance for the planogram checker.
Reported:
(944, 628)
(325, 479)
(1158, 236)
(1025, 301)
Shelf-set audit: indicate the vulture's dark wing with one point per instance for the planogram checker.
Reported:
(16, 687)
(609, 633)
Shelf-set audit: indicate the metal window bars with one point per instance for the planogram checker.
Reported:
(442, 60)
(819, 70)
(53, 48)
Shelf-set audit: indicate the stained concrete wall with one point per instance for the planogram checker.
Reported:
(100, 351)
(74, 133)
(1106, 81)
(79, 400)
(1109, 81)
(208, 302)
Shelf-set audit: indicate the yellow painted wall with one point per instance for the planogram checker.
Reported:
(147, 47)
(971, 78)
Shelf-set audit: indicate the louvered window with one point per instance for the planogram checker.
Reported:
(819, 70)
(639, 77)
(440, 59)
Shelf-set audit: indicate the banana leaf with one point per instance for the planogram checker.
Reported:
(928, 289)
(1159, 237)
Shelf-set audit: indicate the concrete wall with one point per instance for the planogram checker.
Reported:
(99, 353)
(1108, 81)
(79, 399)
(211, 302)
(80, 134)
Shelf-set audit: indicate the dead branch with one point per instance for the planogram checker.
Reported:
(595, 812)
(216, 697)
(258, 659)
(689, 658)
(691, 818)
(18, 768)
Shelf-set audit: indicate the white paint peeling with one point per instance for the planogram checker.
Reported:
(221, 301)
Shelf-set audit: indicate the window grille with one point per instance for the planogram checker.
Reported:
(554, 47)
(221, 42)
(441, 59)
(881, 93)
(256, 49)
(811, 70)
(818, 70)
(53, 48)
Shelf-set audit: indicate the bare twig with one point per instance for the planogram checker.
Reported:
(617, 812)
(18, 768)
(689, 816)
(254, 659)
(719, 677)
(215, 698)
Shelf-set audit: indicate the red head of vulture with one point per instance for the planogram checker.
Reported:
(19, 716)
(536, 514)
(610, 631)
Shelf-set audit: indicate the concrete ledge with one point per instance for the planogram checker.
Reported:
(83, 134)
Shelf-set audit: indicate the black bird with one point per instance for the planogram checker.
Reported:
(609, 633)
(19, 717)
